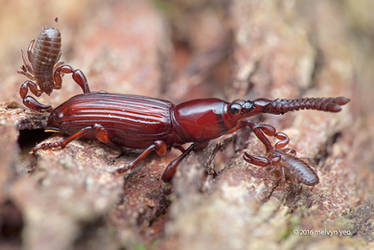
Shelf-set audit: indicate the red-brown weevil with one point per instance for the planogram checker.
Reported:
(157, 125)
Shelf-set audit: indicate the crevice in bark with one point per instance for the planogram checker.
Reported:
(27, 139)
(89, 232)
(11, 224)
(325, 149)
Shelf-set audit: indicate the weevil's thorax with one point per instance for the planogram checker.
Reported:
(200, 119)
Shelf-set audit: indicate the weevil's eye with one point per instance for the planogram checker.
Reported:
(235, 108)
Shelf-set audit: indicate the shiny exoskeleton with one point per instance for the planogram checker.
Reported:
(44, 70)
(157, 125)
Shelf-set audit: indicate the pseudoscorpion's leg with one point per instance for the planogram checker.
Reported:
(170, 170)
(30, 101)
(262, 131)
(77, 75)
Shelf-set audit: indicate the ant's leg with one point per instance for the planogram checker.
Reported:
(171, 169)
(158, 146)
(77, 75)
(29, 101)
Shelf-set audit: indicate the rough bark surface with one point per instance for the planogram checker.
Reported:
(178, 50)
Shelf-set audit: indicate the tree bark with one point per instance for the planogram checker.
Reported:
(66, 199)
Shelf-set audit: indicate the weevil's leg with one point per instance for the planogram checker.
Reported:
(102, 134)
(97, 129)
(77, 75)
(171, 169)
(158, 146)
(63, 143)
(29, 101)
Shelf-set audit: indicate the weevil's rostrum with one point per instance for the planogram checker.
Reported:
(153, 124)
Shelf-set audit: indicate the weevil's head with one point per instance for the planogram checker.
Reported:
(55, 121)
(240, 109)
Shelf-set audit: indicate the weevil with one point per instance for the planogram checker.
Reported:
(153, 124)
